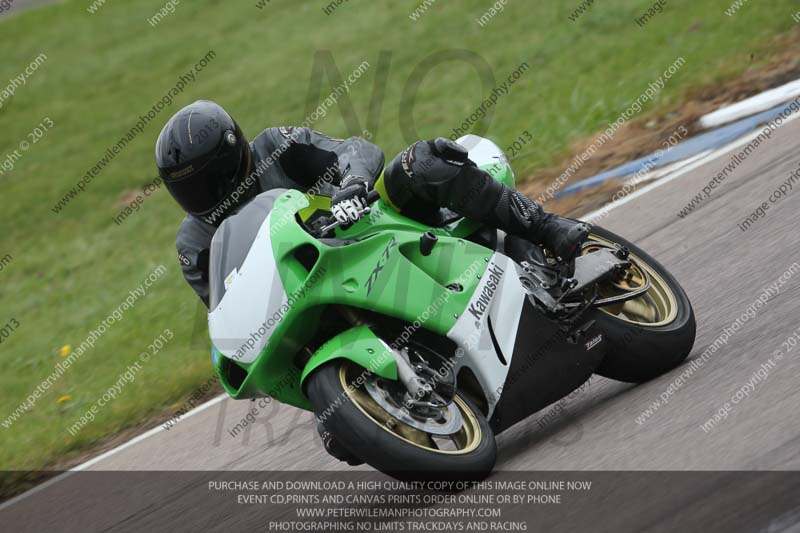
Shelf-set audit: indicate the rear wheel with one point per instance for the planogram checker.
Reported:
(647, 335)
(405, 446)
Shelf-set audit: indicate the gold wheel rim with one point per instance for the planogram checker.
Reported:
(656, 307)
(466, 439)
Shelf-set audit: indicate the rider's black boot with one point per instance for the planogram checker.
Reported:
(515, 213)
(562, 236)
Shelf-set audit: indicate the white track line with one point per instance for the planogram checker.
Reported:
(146, 434)
(109, 453)
(662, 181)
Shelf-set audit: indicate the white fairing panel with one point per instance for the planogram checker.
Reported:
(482, 151)
(243, 322)
(498, 299)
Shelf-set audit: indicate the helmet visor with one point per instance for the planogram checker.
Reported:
(204, 190)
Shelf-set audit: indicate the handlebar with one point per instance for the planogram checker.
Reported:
(330, 223)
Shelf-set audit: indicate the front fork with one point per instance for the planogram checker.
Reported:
(417, 387)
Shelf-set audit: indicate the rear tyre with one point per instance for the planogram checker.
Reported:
(370, 432)
(648, 335)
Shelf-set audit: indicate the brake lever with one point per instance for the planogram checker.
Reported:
(325, 229)
(372, 197)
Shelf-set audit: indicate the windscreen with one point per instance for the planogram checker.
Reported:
(233, 240)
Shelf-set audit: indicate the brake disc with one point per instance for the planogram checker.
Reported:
(450, 420)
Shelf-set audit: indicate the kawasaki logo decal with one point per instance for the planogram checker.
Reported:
(479, 306)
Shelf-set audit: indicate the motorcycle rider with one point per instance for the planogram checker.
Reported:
(211, 170)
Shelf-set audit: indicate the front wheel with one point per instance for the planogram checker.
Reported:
(647, 335)
(383, 439)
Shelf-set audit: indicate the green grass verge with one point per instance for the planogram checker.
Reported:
(70, 270)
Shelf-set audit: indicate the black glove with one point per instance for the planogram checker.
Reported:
(450, 151)
(350, 200)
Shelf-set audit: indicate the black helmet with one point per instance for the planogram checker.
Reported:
(203, 157)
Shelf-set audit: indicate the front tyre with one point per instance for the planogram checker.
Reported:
(340, 400)
(647, 335)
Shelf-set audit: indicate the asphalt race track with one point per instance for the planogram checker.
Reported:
(723, 269)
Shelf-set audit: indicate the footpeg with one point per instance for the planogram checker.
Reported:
(576, 336)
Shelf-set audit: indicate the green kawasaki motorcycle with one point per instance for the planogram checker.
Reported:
(416, 343)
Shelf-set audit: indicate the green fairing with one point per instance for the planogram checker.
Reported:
(359, 345)
(383, 272)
